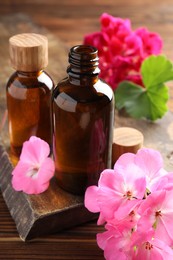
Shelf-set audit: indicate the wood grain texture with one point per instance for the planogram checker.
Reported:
(126, 140)
(46, 213)
(28, 52)
(65, 23)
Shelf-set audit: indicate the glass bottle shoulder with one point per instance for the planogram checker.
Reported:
(30, 80)
(22, 86)
(84, 93)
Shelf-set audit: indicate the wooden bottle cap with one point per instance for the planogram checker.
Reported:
(28, 52)
(125, 140)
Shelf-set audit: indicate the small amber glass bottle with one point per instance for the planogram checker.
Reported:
(83, 107)
(29, 91)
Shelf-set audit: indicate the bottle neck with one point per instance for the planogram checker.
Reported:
(83, 68)
(29, 74)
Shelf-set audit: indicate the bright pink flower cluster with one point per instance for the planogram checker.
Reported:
(122, 50)
(135, 202)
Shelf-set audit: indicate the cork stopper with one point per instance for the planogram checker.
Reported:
(28, 52)
(126, 140)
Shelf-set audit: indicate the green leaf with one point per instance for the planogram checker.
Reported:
(156, 70)
(140, 102)
(148, 102)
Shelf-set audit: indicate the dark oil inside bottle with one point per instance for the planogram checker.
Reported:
(29, 109)
(83, 123)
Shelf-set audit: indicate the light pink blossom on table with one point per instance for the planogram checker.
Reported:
(157, 211)
(149, 161)
(147, 247)
(34, 169)
(115, 243)
(164, 182)
(135, 201)
(117, 193)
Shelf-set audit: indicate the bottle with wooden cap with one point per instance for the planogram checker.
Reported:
(83, 107)
(29, 91)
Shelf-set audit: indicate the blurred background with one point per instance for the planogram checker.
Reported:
(66, 22)
(70, 20)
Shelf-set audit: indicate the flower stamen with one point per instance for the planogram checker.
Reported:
(32, 172)
(158, 213)
(148, 246)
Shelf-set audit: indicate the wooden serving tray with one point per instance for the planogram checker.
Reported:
(49, 212)
(55, 209)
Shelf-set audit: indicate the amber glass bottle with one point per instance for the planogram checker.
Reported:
(83, 107)
(29, 91)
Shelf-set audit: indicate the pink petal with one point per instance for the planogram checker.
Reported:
(103, 238)
(123, 161)
(159, 251)
(126, 207)
(46, 171)
(110, 179)
(101, 220)
(109, 203)
(18, 176)
(150, 161)
(152, 43)
(165, 251)
(29, 179)
(90, 200)
(165, 228)
(34, 151)
(153, 201)
(32, 187)
(112, 251)
(135, 181)
(134, 45)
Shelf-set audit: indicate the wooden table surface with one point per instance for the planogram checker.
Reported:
(66, 22)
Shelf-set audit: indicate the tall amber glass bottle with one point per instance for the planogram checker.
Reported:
(29, 91)
(83, 107)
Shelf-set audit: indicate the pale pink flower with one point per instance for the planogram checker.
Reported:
(147, 247)
(149, 161)
(34, 169)
(117, 193)
(157, 211)
(115, 243)
(139, 223)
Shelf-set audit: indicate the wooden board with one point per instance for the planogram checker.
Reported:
(56, 209)
(49, 212)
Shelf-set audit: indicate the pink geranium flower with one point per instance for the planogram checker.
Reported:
(115, 242)
(34, 169)
(147, 247)
(149, 161)
(135, 201)
(117, 193)
(157, 211)
(152, 250)
(117, 39)
(152, 43)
